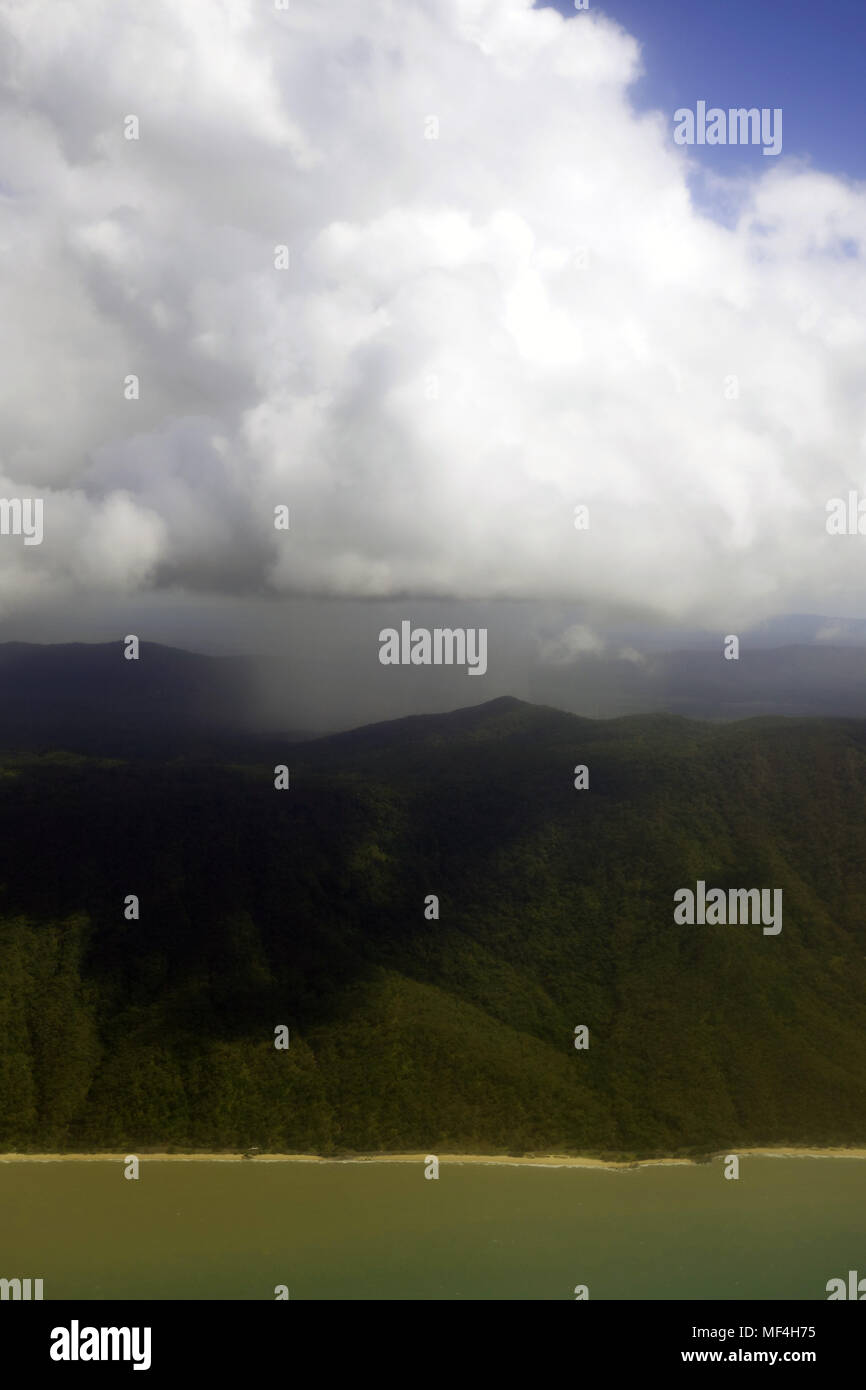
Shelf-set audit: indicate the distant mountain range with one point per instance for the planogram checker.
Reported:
(781, 680)
(311, 908)
(86, 697)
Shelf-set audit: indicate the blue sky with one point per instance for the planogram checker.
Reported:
(805, 56)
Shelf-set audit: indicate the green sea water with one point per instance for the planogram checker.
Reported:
(218, 1230)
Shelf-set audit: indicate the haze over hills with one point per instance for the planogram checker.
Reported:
(805, 628)
(306, 908)
(781, 680)
(85, 697)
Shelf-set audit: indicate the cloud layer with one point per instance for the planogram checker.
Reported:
(501, 302)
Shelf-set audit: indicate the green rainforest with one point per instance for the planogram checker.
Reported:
(431, 908)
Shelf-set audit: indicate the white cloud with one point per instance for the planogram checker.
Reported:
(476, 332)
(570, 646)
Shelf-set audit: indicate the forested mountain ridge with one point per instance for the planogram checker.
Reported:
(306, 907)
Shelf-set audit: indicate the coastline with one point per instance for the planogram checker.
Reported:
(498, 1160)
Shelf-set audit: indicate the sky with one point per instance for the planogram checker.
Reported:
(432, 275)
(804, 57)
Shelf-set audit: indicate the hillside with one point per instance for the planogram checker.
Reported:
(85, 696)
(306, 908)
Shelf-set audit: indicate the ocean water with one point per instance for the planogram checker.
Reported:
(220, 1230)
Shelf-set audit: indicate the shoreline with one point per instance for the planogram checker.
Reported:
(498, 1160)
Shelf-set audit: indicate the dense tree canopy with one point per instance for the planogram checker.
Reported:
(306, 908)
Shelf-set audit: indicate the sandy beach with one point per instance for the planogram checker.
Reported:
(537, 1161)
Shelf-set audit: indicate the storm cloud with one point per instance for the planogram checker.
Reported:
(503, 300)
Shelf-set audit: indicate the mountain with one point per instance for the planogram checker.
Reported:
(87, 698)
(306, 908)
(86, 694)
(793, 680)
